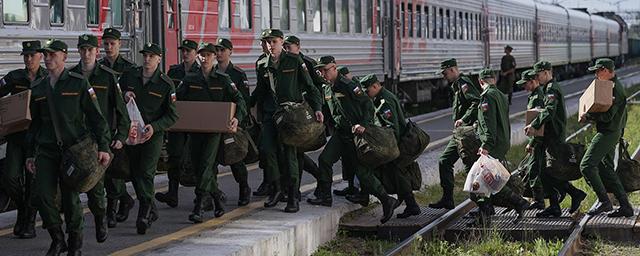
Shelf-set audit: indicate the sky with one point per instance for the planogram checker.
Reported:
(601, 5)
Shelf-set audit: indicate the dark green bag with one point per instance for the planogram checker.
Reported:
(296, 124)
(628, 169)
(376, 146)
(316, 144)
(120, 166)
(412, 172)
(515, 184)
(235, 146)
(468, 144)
(411, 145)
(563, 161)
(253, 155)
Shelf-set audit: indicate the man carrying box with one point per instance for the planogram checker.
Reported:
(15, 180)
(597, 163)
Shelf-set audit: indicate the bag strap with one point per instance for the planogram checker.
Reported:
(624, 151)
(54, 115)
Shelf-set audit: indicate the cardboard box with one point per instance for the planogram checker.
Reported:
(598, 97)
(203, 116)
(15, 115)
(529, 116)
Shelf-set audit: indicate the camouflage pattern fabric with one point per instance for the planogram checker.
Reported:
(376, 146)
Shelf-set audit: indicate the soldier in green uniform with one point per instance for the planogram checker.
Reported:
(209, 85)
(283, 78)
(15, 180)
(116, 189)
(224, 49)
(353, 111)
(155, 96)
(110, 99)
(554, 118)
(508, 72)
(465, 108)
(597, 163)
(265, 188)
(78, 115)
(389, 112)
(177, 140)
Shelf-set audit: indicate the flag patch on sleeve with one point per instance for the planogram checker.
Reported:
(92, 93)
(173, 97)
(484, 106)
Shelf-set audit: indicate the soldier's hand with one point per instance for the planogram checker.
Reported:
(528, 130)
(458, 123)
(116, 144)
(319, 116)
(358, 129)
(583, 118)
(128, 96)
(104, 158)
(233, 124)
(482, 151)
(528, 148)
(148, 132)
(30, 163)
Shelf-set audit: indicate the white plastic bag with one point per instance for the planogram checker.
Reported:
(487, 176)
(136, 130)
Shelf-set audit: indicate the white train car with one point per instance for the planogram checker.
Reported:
(553, 36)
(579, 32)
(599, 32)
(511, 22)
(613, 38)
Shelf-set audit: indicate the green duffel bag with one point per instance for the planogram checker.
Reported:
(376, 146)
(79, 167)
(468, 144)
(120, 166)
(563, 161)
(235, 147)
(412, 172)
(316, 144)
(515, 184)
(411, 145)
(628, 169)
(296, 124)
(525, 174)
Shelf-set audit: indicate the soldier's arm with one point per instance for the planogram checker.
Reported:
(490, 122)
(367, 107)
(96, 120)
(548, 112)
(170, 115)
(122, 115)
(313, 95)
(6, 85)
(260, 92)
(236, 97)
(472, 94)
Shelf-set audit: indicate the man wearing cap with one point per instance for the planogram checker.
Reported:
(116, 189)
(353, 111)
(597, 163)
(465, 107)
(155, 96)
(77, 114)
(389, 112)
(110, 99)
(265, 188)
(554, 118)
(15, 180)
(494, 131)
(224, 49)
(284, 78)
(177, 140)
(507, 72)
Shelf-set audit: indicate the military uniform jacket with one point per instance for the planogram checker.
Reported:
(238, 78)
(389, 112)
(494, 128)
(349, 104)
(553, 115)
(465, 100)
(121, 64)
(315, 75)
(290, 79)
(217, 86)
(506, 63)
(110, 99)
(615, 119)
(535, 100)
(77, 106)
(155, 99)
(15, 82)
(178, 71)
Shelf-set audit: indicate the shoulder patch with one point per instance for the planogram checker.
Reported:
(108, 69)
(551, 97)
(464, 87)
(484, 106)
(92, 93)
(76, 75)
(166, 78)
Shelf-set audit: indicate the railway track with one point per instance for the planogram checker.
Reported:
(572, 245)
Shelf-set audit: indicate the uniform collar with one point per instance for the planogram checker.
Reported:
(40, 73)
(155, 78)
(229, 67)
(491, 86)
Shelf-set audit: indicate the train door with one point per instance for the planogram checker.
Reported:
(171, 10)
(391, 32)
(138, 27)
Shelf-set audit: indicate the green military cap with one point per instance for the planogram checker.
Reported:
(369, 80)
(188, 44)
(29, 47)
(271, 33)
(292, 40)
(487, 73)
(54, 45)
(151, 48)
(111, 33)
(224, 43)
(448, 63)
(526, 76)
(207, 48)
(325, 60)
(541, 66)
(508, 47)
(343, 70)
(87, 40)
(603, 63)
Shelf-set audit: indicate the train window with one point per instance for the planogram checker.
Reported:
(15, 11)
(477, 27)
(403, 21)
(467, 32)
(454, 25)
(447, 25)
(224, 10)
(440, 23)
(369, 16)
(93, 10)
(116, 13)
(301, 9)
(332, 15)
(56, 13)
(460, 26)
(284, 14)
(244, 10)
(170, 14)
(410, 19)
(316, 8)
(436, 25)
(357, 5)
(426, 22)
(344, 17)
(419, 21)
(265, 13)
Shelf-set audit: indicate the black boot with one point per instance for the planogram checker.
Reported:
(217, 201)
(275, 197)
(520, 204)
(349, 190)
(29, 223)
(324, 197)
(58, 245)
(198, 213)
(292, 202)
(170, 197)
(126, 203)
(143, 222)
(577, 196)
(553, 211)
(19, 226)
(75, 243)
(538, 201)
(245, 195)
(360, 198)
(101, 229)
(483, 217)
(412, 208)
(388, 205)
(263, 190)
(111, 212)
(625, 210)
(207, 203)
(603, 206)
(445, 202)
